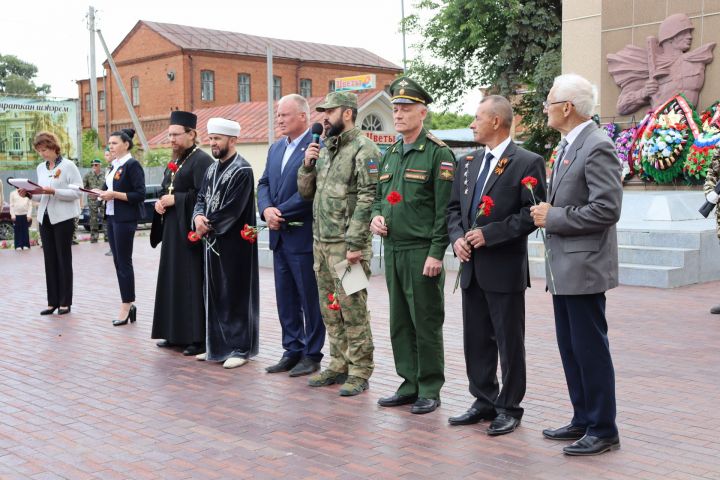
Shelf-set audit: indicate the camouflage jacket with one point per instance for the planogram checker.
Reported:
(92, 180)
(342, 185)
(713, 174)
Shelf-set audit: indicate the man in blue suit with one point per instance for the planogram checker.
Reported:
(303, 331)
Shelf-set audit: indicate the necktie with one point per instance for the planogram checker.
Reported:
(479, 185)
(558, 159)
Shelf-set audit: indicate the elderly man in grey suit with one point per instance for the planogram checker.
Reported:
(585, 196)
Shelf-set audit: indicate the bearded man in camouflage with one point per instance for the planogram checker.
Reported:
(343, 188)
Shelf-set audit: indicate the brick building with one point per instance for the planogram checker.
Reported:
(167, 67)
(374, 118)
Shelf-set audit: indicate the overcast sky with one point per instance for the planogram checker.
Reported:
(53, 35)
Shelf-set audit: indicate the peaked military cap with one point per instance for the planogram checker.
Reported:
(96, 161)
(338, 99)
(406, 90)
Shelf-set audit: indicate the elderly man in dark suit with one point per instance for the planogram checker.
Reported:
(298, 304)
(495, 264)
(585, 197)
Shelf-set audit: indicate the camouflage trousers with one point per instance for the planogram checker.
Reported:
(94, 209)
(348, 329)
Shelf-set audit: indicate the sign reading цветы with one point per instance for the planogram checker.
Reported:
(358, 82)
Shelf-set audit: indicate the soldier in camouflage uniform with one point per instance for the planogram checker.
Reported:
(343, 187)
(420, 168)
(713, 175)
(95, 178)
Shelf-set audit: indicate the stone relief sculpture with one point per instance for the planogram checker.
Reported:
(650, 76)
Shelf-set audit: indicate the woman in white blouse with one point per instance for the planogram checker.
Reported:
(59, 205)
(20, 213)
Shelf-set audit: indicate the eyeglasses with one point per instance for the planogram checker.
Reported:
(174, 135)
(546, 104)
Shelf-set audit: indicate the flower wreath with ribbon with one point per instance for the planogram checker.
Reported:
(664, 143)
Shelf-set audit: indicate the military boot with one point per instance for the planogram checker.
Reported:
(327, 377)
(353, 386)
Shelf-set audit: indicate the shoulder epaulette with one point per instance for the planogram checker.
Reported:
(435, 140)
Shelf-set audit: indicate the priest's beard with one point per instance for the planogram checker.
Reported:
(334, 129)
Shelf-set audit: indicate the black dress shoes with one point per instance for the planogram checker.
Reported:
(396, 400)
(284, 365)
(425, 405)
(589, 445)
(48, 311)
(194, 349)
(164, 344)
(503, 424)
(473, 415)
(568, 432)
(306, 366)
(63, 310)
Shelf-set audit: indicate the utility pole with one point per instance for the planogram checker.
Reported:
(93, 78)
(270, 96)
(123, 92)
(402, 12)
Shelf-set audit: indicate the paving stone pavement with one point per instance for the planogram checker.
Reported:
(81, 399)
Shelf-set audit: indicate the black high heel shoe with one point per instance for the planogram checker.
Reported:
(132, 316)
(48, 311)
(63, 311)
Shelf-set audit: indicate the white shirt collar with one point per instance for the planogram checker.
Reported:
(499, 149)
(295, 142)
(573, 134)
(119, 162)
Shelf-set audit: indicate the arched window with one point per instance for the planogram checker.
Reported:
(372, 123)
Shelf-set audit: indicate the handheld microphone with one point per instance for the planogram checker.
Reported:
(316, 130)
(710, 202)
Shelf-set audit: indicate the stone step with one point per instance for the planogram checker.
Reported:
(641, 254)
(661, 276)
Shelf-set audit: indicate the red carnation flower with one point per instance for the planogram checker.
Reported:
(193, 237)
(529, 182)
(249, 233)
(485, 206)
(394, 198)
(172, 166)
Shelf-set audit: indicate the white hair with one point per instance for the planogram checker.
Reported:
(573, 88)
(300, 101)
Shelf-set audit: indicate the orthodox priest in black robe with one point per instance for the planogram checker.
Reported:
(225, 203)
(179, 316)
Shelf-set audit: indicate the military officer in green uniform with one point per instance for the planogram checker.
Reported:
(342, 187)
(418, 170)
(94, 179)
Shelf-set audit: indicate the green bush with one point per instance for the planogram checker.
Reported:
(157, 157)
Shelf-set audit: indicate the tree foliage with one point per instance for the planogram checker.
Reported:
(508, 46)
(90, 149)
(447, 120)
(16, 77)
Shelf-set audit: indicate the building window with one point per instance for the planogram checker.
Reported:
(243, 87)
(135, 87)
(277, 88)
(16, 142)
(372, 123)
(101, 101)
(306, 87)
(207, 85)
(87, 102)
(331, 86)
